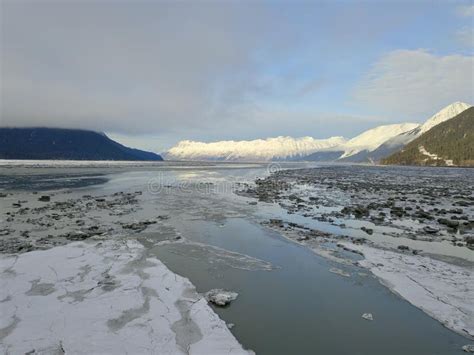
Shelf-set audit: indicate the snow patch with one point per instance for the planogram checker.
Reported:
(422, 150)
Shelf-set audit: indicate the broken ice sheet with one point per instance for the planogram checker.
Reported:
(218, 256)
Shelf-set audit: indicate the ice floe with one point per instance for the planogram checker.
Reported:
(442, 290)
(221, 297)
(220, 257)
(104, 297)
(368, 316)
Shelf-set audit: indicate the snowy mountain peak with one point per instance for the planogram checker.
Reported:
(375, 137)
(445, 114)
(387, 138)
(254, 150)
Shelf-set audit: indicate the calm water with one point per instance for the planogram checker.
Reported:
(297, 308)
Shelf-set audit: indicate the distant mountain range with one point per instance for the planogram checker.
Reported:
(444, 139)
(369, 147)
(279, 148)
(449, 143)
(65, 144)
(287, 148)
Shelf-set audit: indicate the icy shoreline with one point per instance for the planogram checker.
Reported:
(443, 291)
(403, 222)
(104, 297)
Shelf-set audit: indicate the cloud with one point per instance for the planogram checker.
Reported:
(465, 10)
(135, 68)
(465, 36)
(409, 83)
(273, 121)
(169, 69)
(197, 70)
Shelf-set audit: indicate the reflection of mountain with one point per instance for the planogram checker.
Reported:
(69, 144)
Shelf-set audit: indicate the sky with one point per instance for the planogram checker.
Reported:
(152, 73)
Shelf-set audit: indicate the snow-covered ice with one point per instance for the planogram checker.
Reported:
(368, 316)
(221, 297)
(469, 348)
(104, 297)
(339, 272)
(443, 291)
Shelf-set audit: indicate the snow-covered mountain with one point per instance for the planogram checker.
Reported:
(375, 137)
(445, 114)
(396, 143)
(286, 148)
(371, 145)
(255, 150)
(449, 143)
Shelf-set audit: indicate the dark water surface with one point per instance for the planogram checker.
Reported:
(301, 307)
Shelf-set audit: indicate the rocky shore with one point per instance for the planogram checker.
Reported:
(416, 205)
(56, 219)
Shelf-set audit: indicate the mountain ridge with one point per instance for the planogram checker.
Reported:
(375, 137)
(449, 143)
(258, 149)
(286, 148)
(370, 146)
(396, 143)
(43, 143)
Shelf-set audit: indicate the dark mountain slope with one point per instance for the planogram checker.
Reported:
(68, 144)
(449, 143)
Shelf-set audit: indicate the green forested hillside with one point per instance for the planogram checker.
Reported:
(452, 140)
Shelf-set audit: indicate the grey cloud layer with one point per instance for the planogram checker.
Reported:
(411, 82)
(125, 67)
(178, 69)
